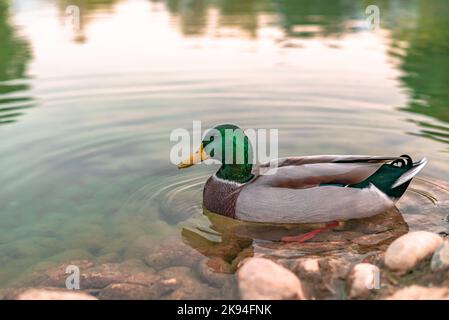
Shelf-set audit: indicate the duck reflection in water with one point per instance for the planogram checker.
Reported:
(227, 242)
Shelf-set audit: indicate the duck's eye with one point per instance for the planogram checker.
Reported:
(211, 138)
(212, 153)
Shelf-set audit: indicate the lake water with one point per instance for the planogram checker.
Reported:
(86, 114)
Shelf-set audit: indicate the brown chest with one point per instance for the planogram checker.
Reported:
(220, 196)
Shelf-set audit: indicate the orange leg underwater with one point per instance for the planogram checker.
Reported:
(309, 235)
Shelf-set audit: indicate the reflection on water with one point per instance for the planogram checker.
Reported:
(425, 63)
(87, 175)
(308, 18)
(15, 54)
(422, 27)
(297, 18)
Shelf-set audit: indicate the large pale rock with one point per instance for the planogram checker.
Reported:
(408, 250)
(364, 278)
(420, 293)
(440, 259)
(261, 278)
(53, 294)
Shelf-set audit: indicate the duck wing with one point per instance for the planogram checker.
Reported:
(301, 176)
(296, 161)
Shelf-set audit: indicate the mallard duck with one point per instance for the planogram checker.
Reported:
(309, 189)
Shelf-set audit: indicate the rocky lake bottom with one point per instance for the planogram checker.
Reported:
(382, 257)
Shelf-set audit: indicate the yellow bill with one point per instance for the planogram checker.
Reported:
(195, 158)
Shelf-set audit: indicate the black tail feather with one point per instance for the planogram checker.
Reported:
(393, 178)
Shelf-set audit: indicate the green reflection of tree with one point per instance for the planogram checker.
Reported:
(15, 54)
(425, 62)
(242, 14)
(329, 16)
(192, 15)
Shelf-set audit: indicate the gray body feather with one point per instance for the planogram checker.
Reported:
(311, 205)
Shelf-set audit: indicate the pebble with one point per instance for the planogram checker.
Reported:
(364, 278)
(262, 279)
(186, 285)
(310, 266)
(440, 259)
(308, 269)
(407, 251)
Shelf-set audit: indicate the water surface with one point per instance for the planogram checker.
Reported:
(85, 115)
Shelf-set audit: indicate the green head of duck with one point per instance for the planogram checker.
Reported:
(228, 145)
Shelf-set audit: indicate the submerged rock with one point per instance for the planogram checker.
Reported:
(187, 285)
(127, 291)
(108, 257)
(364, 278)
(214, 271)
(110, 280)
(172, 253)
(440, 259)
(261, 278)
(140, 246)
(53, 294)
(420, 293)
(101, 276)
(130, 271)
(408, 250)
(375, 240)
(54, 276)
